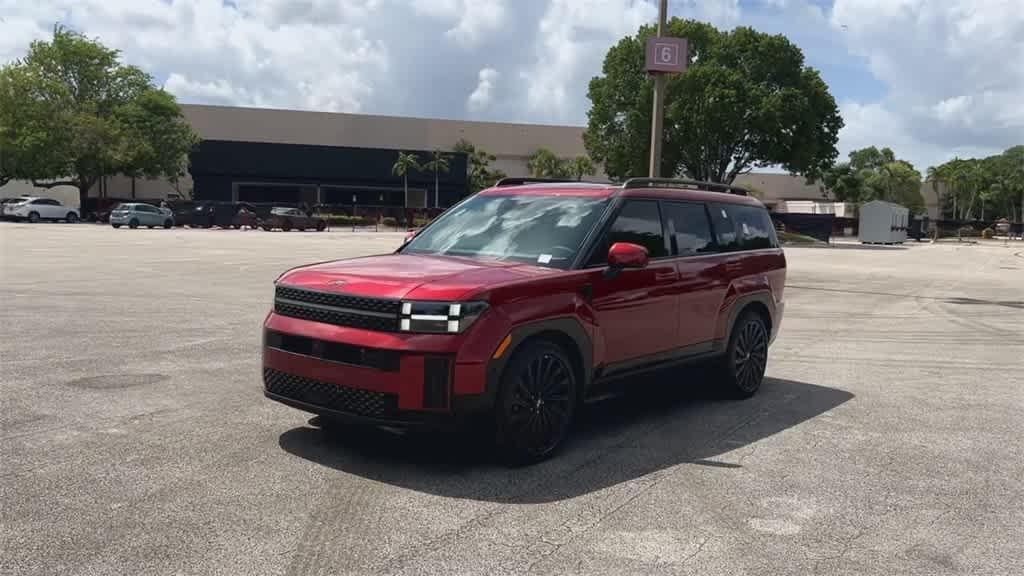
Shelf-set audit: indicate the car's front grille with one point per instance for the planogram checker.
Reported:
(330, 396)
(387, 360)
(339, 309)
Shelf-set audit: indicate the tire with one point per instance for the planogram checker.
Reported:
(116, 225)
(320, 226)
(536, 403)
(133, 223)
(741, 369)
(168, 224)
(234, 226)
(33, 217)
(71, 218)
(266, 228)
(150, 227)
(286, 225)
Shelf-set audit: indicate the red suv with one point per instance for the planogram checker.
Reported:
(527, 298)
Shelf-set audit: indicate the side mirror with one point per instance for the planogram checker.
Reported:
(627, 255)
(409, 237)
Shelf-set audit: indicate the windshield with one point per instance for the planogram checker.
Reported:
(542, 230)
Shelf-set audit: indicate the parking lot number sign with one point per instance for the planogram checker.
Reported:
(666, 55)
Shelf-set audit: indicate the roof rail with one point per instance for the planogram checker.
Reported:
(518, 181)
(683, 183)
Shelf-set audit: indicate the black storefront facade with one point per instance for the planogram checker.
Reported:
(260, 172)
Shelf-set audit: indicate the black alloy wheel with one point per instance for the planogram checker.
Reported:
(537, 403)
(747, 356)
(71, 218)
(286, 225)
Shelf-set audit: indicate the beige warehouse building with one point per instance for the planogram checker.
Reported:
(259, 154)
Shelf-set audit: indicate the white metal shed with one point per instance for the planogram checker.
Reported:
(883, 223)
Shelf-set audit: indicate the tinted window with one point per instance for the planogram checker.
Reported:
(539, 229)
(687, 228)
(754, 227)
(724, 226)
(639, 222)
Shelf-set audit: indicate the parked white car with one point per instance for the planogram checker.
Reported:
(35, 209)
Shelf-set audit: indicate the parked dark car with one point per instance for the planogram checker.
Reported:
(292, 218)
(525, 300)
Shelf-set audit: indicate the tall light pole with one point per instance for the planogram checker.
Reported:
(657, 117)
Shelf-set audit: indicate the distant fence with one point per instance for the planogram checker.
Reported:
(817, 226)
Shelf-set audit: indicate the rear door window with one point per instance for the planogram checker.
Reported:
(687, 228)
(753, 227)
(725, 227)
(639, 222)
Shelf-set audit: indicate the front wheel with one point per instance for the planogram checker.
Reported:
(743, 366)
(168, 223)
(116, 225)
(320, 226)
(133, 223)
(536, 402)
(286, 226)
(33, 217)
(71, 217)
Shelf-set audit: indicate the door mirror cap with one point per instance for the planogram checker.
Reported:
(627, 255)
(409, 236)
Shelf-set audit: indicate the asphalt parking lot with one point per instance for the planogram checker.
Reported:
(887, 439)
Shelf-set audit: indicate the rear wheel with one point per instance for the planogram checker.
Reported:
(71, 217)
(33, 217)
(116, 225)
(320, 225)
(536, 403)
(133, 223)
(286, 225)
(266, 228)
(742, 368)
(168, 223)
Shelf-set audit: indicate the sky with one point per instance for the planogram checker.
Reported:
(932, 79)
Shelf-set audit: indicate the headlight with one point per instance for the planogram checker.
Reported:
(439, 317)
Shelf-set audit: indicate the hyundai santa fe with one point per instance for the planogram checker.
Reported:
(527, 299)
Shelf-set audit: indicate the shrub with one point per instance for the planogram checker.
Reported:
(988, 233)
(968, 231)
(389, 221)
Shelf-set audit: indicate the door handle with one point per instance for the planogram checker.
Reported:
(664, 276)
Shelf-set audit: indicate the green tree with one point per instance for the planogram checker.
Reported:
(581, 166)
(71, 113)
(875, 174)
(438, 163)
(747, 100)
(478, 163)
(545, 164)
(405, 163)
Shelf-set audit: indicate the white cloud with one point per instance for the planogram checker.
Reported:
(474, 19)
(954, 71)
(572, 38)
(484, 92)
(312, 54)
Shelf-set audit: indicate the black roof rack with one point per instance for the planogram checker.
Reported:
(518, 181)
(682, 183)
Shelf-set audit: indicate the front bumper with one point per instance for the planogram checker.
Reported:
(386, 379)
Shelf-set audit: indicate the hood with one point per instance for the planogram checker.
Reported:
(416, 277)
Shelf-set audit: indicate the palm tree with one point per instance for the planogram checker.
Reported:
(438, 163)
(545, 164)
(406, 162)
(581, 166)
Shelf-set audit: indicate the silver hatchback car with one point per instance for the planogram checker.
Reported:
(134, 215)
